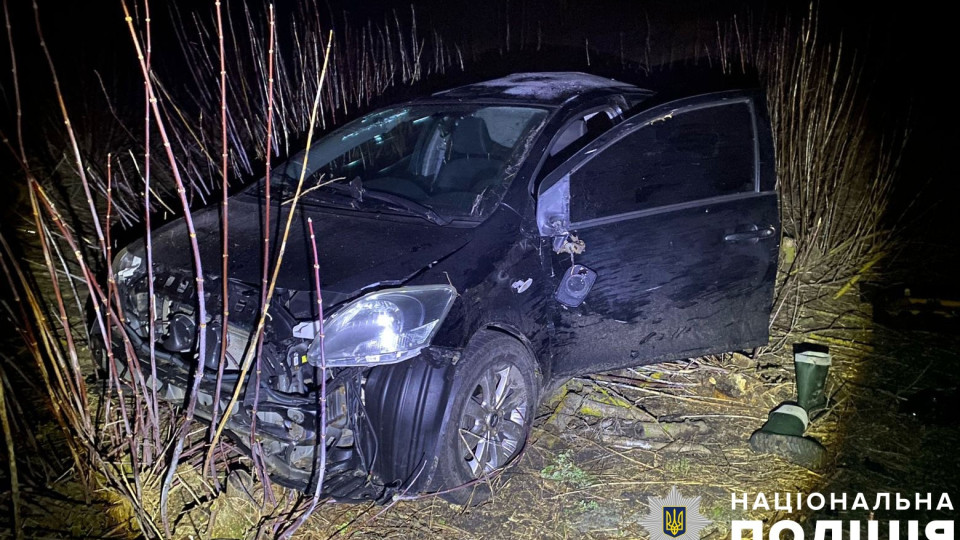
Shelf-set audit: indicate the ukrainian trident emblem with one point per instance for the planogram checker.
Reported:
(674, 516)
(673, 521)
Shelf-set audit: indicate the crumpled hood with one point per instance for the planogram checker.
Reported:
(355, 251)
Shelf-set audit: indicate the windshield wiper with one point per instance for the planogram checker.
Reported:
(355, 191)
(350, 191)
(409, 205)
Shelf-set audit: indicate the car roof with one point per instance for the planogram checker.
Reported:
(543, 88)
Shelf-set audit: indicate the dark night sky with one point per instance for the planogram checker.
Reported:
(905, 46)
(904, 49)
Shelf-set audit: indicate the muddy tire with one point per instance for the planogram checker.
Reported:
(491, 410)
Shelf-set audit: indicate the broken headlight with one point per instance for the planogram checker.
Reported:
(383, 327)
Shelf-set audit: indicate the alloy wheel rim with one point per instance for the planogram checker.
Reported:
(493, 419)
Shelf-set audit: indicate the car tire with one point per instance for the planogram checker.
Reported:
(491, 409)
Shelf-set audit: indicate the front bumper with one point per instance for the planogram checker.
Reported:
(286, 426)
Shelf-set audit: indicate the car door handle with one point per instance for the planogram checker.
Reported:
(752, 236)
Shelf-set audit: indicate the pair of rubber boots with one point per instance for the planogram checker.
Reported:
(782, 434)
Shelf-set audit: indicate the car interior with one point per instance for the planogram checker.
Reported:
(447, 160)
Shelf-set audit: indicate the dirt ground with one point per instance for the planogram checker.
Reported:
(596, 453)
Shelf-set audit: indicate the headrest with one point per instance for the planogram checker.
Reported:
(470, 136)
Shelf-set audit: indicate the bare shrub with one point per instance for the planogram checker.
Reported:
(191, 143)
(835, 174)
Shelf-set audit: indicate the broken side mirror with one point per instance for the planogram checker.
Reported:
(553, 208)
(575, 285)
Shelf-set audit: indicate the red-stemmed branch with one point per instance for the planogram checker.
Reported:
(198, 264)
(255, 448)
(322, 438)
(152, 299)
(258, 335)
(224, 231)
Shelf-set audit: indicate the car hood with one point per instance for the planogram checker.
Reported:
(355, 250)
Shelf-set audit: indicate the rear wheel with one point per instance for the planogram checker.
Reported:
(492, 410)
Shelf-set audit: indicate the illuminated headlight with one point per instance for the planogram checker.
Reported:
(127, 264)
(383, 327)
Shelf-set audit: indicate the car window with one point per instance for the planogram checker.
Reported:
(576, 134)
(569, 135)
(697, 154)
(448, 159)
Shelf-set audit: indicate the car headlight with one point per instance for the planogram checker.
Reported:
(383, 327)
(126, 264)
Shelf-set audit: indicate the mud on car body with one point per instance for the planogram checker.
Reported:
(475, 246)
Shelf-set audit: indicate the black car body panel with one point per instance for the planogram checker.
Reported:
(358, 249)
(684, 271)
(681, 270)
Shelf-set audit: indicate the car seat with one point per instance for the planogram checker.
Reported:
(472, 166)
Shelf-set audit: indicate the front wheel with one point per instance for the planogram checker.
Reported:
(492, 409)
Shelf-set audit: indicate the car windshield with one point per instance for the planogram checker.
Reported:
(448, 161)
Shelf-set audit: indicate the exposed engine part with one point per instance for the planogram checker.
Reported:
(301, 426)
(298, 374)
(176, 326)
(238, 341)
(181, 333)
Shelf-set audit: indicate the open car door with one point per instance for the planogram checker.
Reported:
(665, 233)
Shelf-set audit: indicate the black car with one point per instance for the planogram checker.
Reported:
(476, 246)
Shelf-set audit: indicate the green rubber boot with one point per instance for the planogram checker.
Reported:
(812, 368)
(782, 435)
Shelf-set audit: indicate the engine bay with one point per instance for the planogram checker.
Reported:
(283, 410)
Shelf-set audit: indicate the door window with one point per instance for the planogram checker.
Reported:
(577, 134)
(696, 154)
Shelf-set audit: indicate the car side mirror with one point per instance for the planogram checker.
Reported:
(553, 208)
(575, 285)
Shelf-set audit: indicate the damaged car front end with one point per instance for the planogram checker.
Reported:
(381, 328)
(425, 178)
